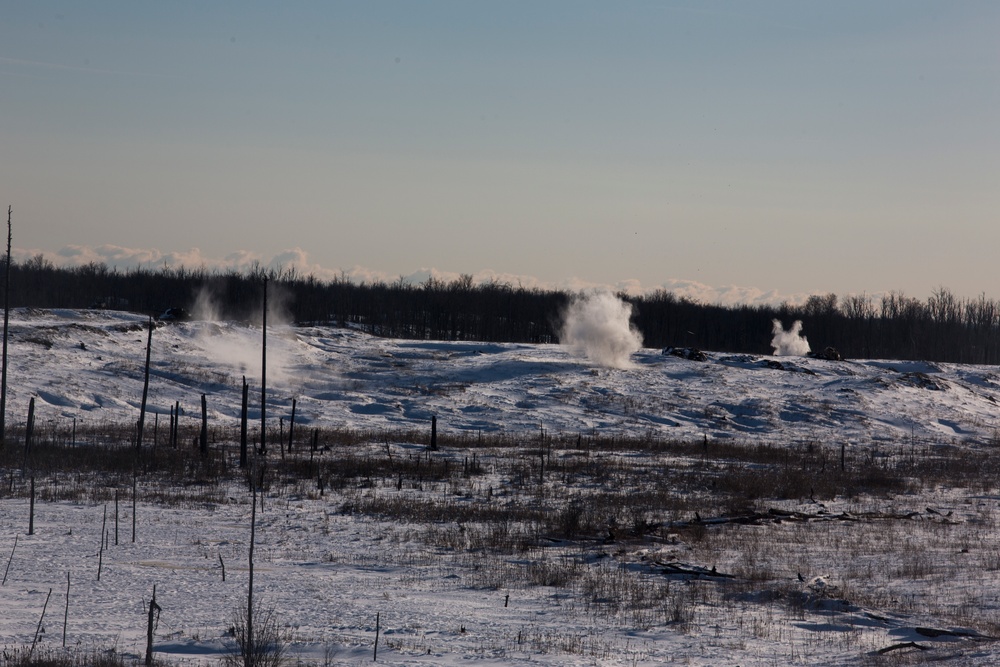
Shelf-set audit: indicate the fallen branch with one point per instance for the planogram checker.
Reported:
(897, 647)
(693, 570)
(775, 515)
(39, 630)
(8, 561)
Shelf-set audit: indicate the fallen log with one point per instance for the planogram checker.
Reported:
(937, 632)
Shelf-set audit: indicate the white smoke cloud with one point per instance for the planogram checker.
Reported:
(791, 342)
(597, 325)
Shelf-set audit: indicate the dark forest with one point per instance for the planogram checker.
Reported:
(943, 327)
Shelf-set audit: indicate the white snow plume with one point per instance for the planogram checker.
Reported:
(789, 343)
(278, 305)
(597, 326)
(241, 353)
(204, 307)
(238, 345)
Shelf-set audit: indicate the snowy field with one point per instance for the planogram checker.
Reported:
(682, 568)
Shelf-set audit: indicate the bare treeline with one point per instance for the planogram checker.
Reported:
(943, 327)
(894, 326)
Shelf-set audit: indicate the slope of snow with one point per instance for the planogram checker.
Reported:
(89, 366)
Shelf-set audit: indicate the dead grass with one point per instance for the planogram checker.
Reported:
(602, 518)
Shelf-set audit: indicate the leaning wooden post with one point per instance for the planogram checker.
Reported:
(203, 441)
(100, 554)
(41, 618)
(154, 610)
(145, 389)
(5, 572)
(434, 433)
(378, 623)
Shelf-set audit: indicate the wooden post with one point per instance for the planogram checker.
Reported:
(281, 436)
(28, 430)
(66, 612)
(31, 511)
(291, 428)
(263, 376)
(434, 433)
(177, 423)
(135, 476)
(249, 657)
(6, 319)
(243, 424)
(203, 441)
(145, 389)
(378, 619)
(154, 611)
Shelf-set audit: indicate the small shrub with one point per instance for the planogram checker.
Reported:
(265, 646)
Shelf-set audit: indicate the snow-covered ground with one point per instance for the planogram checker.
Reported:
(804, 581)
(89, 365)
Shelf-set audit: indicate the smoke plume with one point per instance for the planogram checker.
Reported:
(791, 342)
(597, 326)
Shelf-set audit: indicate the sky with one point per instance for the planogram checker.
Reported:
(731, 151)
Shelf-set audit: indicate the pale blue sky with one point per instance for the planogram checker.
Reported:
(782, 147)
